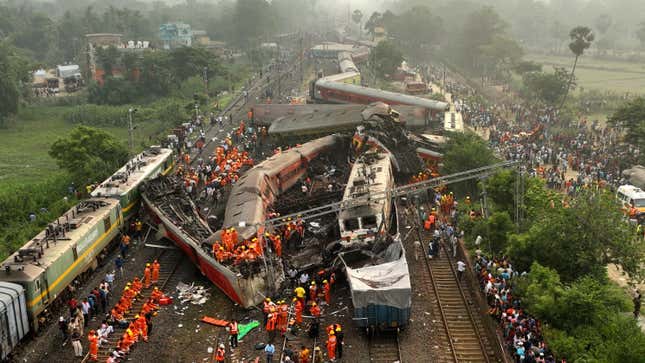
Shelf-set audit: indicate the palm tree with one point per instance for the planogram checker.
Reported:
(581, 39)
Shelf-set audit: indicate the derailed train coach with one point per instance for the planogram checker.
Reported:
(382, 293)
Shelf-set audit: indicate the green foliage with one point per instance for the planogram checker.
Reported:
(385, 58)
(89, 154)
(581, 39)
(484, 45)
(527, 66)
(114, 91)
(13, 78)
(169, 111)
(501, 190)
(583, 320)
(463, 152)
(415, 28)
(580, 240)
(107, 58)
(631, 117)
(547, 87)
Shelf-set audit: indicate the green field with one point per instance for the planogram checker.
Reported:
(598, 74)
(25, 143)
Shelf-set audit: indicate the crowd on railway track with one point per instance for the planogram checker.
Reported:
(522, 332)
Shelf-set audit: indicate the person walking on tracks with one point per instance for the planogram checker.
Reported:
(155, 271)
(417, 250)
(461, 267)
(233, 331)
(94, 346)
(269, 349)
(146, 276)
(76, 343)
(331, 346)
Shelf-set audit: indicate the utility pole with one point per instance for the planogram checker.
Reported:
(205, 76)
(279, 69)
(131, 112)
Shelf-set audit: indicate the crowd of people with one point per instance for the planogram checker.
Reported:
(522, 332)
(96, 305)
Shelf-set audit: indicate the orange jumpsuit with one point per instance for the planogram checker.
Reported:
(155, 272)
(94, 346)
(331, 347)
(327, 291)
(146, 277)
(283, 312)
(142, 326)
(299, 309)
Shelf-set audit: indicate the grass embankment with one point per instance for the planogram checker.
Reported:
(599, 74)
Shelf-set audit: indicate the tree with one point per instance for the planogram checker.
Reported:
(416, 27)
(464, 152)
(89, 154)
(527, 66)
(581, 39)
(375, 20)
(15, 76)
(385, 58)
(631, 117)
(547, 87)
(584, 320)
(108, 59)
(580, 240)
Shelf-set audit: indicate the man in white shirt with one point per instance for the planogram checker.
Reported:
(461, 267)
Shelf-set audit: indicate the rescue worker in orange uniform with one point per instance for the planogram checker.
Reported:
(313, 291)
(304, 355)
(266, 309)
(155, 271)
(142, 326)
(327, 291)
(272, 321)
(283, 314)
(299, 307)
(331, 346)
(94, 345)
(315, 310)
(146, 276)
(220, 354)
(233, 332)
(277, 245)
(156, 295)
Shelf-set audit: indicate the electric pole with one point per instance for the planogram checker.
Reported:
(205, 76)
(131, 112)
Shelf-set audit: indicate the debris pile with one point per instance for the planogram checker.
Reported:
(195, 294)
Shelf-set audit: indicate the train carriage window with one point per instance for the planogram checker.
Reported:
(369, 222)
(75, 253)
(107, 224)
(37, 285)
(350, 224)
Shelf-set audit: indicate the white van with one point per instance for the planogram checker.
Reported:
(628, 195)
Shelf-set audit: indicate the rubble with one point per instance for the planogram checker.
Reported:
(195, 294)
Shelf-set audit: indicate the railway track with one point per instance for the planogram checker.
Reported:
(169, 259)
(463, 337)
(385, 348)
